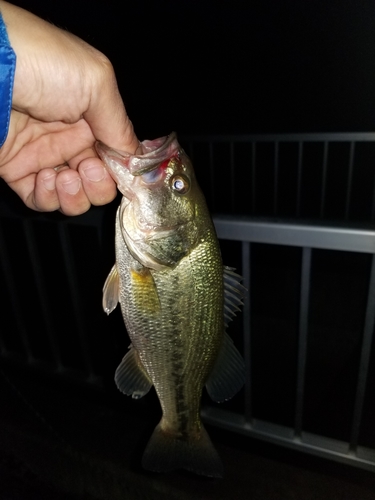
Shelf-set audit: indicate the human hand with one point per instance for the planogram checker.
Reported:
(65, 97)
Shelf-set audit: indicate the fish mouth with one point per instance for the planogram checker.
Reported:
(157, 151)
(154, 153)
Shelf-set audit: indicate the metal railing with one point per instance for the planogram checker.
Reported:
(34, 288)
(315, 176)
(307, 237)
(47, 318)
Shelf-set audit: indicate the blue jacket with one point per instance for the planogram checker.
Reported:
(7, 69)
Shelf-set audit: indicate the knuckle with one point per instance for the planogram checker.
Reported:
(104, 68)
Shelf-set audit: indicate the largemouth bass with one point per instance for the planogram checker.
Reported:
(176, 299)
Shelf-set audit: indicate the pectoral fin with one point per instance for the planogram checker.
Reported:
(228, 374)
(131, 377)
(111, 291)
(145, 294)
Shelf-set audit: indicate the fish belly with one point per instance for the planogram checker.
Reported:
(174, 318)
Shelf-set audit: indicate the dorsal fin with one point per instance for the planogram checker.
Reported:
(234, 292)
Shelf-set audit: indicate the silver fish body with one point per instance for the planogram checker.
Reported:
(176, 298)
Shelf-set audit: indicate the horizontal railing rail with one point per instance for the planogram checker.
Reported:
(245, 231)
(307, 137)
(307, 237)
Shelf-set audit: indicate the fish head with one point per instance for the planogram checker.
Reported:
(159, 212)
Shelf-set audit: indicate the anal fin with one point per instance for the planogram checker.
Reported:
(131, 377)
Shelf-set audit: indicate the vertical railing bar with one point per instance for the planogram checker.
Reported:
(364, 360)
(373, 203)
(324, 178)
(10, 286)
(212, 174)
(299, 178)
(302, 337)
(350, 179)
(253, 174)
(246, 270)
(232, 177)
(276, 175)
(42, 292)
(71, 274)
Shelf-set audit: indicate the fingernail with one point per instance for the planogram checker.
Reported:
(72, 187)
(50, 182)
(94, 173)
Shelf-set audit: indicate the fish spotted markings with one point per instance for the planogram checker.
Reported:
(171, 292)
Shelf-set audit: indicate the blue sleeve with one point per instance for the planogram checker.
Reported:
(7, 69)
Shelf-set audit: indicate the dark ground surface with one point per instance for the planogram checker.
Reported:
(60, 440)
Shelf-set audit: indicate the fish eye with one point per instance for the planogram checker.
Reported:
(180, 184)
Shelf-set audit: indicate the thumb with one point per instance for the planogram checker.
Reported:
(107, 116)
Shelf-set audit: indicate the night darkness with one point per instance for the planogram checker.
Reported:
(205, 67)
(233, 67)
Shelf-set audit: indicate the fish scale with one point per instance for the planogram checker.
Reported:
(173, 290)
(165, 350)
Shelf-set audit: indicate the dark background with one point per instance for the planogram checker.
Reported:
(233, 67)
(199, 66)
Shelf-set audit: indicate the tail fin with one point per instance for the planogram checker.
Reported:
(167, 451)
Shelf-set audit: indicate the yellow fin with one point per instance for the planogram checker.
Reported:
(144, 290)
